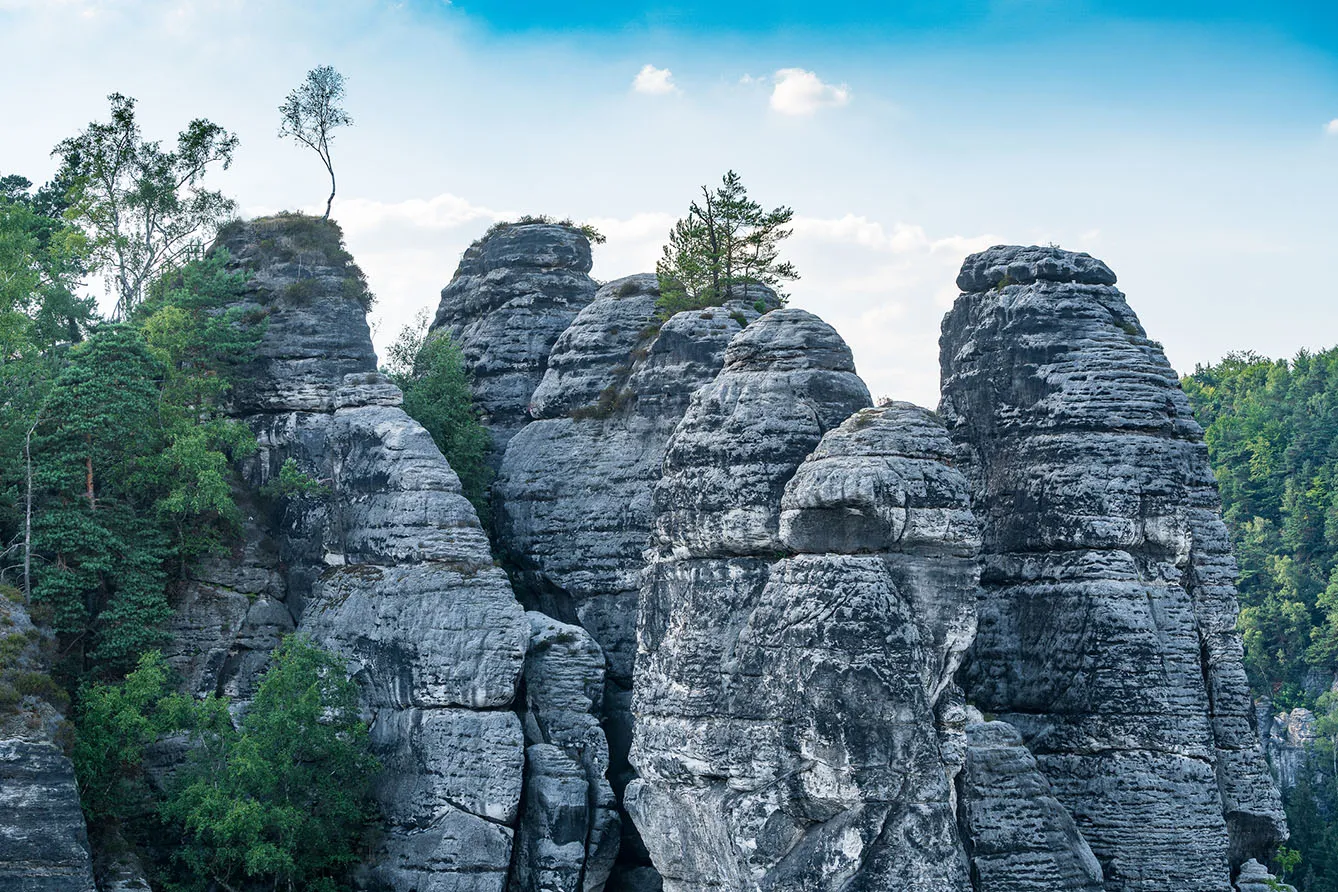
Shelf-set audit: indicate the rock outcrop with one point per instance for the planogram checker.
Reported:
(377, 556)
(786, 682)
(573, 495)
(1019, 836)
(43, 840)
(515, 290)
(1287, 739)
(1107, 616)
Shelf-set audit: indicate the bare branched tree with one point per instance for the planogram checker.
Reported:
(311, 112)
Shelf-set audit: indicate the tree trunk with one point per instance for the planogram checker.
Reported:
(330, 200)
(28, 516)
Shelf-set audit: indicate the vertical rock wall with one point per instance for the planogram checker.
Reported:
(514, 292)
(1107, 620)
(385, 564)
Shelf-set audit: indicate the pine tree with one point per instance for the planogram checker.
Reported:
(724, 243)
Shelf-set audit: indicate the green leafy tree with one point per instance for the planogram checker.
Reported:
(114, 724)
(430, 370)
(284, 801)
(724, 243)
(312, 113)
(145, 208)
(97, 445)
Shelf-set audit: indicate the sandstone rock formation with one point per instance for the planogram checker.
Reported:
(1019, 836)
(1287, 740)
(1107, 619)
(785, 705)
(380, 558)
(573, 495)
(515, 290)
(43, 841)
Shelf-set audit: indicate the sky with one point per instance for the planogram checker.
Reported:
(1193, 146)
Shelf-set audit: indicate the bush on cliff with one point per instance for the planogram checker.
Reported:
(281, 802)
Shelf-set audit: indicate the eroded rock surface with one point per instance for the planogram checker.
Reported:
(378, 557)
(515, 290)
(573, 494)
(1020, 837)
(786, 705)
(1107, 621)
(43, 840)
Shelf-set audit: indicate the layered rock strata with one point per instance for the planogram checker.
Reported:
(1019, 836)
(43, 840)
(573, 495)
(378, 557)
(515, 290)
(786, 681)
(1107, 617)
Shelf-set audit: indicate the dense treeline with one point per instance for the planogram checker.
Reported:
(1272, 432)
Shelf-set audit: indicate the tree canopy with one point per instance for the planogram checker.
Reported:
(145, 208)
(726, 242)
(311, 114)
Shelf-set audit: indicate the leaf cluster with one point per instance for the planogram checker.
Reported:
(726, 242)
(430, 370)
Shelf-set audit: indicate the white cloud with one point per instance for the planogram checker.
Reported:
(1332, 127)
(800, 92)
(654, 81)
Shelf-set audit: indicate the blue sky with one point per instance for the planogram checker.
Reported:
(1187, 144)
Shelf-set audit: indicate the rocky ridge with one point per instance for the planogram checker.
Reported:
(767, 610)
(515, 291)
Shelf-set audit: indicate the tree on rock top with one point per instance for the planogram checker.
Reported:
(312, 112)
(726, 242)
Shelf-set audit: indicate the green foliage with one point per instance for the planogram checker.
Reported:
(145, 209)
(294, 483)
(592, 234)
(132, 461)
(311, 113)
(98, 446)
(431, 372)
(1272, 434)
(284, 801)
(724, 243)
(114, 724)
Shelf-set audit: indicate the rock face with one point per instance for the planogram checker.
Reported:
(787, 680)
(1107, 617)
(515, 291)
(573, 495)
(43, 841)
(569, 829)
(1020, 836)
(1287, 739)
(380, 559)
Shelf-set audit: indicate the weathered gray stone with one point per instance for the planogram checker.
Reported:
(573, 495)
(1019, 836)
(785, 718)
(569, 830)
(43, 840)
(1287, 739)
(515, 291)
(1107, 621)
(1254, 877)
(382, 560)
